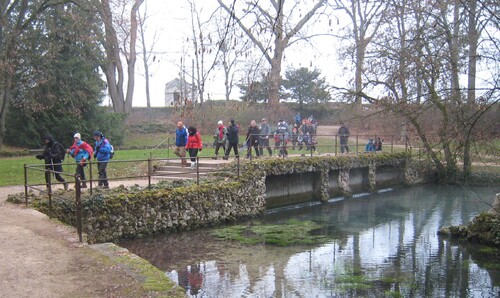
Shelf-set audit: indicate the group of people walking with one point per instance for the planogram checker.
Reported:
(54, 154)
(257, 140)
(188, 140)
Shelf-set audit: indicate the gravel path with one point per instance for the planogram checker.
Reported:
(40, 257)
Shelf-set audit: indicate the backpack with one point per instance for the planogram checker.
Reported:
(111, 152)
(281, 128)
(61, 153)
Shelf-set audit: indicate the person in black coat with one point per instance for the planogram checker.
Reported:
(253, 139)
(232, 139)
(53, 155)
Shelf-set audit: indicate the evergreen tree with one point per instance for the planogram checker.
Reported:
(305, 86)
(58, 88)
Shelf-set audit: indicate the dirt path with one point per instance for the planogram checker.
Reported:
(42, 258)
(327, 130)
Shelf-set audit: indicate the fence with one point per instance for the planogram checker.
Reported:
(288, 144)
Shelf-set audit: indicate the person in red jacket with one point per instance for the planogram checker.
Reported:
(193, 145)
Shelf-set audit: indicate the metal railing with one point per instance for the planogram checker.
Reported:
(48, 186)
(322, 144)
(151, 154)
(312, 148)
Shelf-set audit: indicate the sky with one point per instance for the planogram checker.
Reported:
(170, 20)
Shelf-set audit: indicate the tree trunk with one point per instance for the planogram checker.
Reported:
(132, 56)
(145, 59)
(472, 39)
(4, 107)
(112, 67)
(275, 80)
(358, 80)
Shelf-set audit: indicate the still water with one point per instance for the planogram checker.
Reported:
(382, 245)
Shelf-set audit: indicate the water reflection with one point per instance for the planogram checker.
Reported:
(380, 245)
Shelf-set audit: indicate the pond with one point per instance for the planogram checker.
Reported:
(378, 245)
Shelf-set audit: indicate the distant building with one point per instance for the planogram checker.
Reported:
(176, 90)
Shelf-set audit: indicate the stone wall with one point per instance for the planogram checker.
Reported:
(321, 178)
(109, 216)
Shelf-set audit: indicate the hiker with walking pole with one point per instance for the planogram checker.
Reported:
(53, 154)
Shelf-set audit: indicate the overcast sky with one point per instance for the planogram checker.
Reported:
(171, 20)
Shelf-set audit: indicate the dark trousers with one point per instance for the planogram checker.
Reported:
(193, 152)
(282, 147)
(344, 145)
(232, 146)
(255, 145)
(80, 171)
(103, 175)
(57, 168)
(264, 143)
(217, 146)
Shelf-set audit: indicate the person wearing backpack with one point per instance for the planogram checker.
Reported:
(102, 153)
(282, 133)
(53, 154)
(81, 151)
(220, 138)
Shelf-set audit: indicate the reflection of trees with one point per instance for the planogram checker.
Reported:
(415, 261)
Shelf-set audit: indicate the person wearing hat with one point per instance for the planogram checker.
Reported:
(265, 131)
(220, 138)
(232, 139)
(53, 154)
(81, 152)
(102, 152)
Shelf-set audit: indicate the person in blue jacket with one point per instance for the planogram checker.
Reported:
(102, 153)
(370, 146)
(181, 138)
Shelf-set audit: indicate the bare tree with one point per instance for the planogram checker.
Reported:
(422, 80)
(120, 38)
(366, 17)
(272, 24)
(204, 50)
(147, 51)
(233, 49)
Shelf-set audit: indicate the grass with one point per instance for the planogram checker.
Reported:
(292, 232)
(12, 170)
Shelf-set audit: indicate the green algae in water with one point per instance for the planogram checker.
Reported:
(293, 232)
